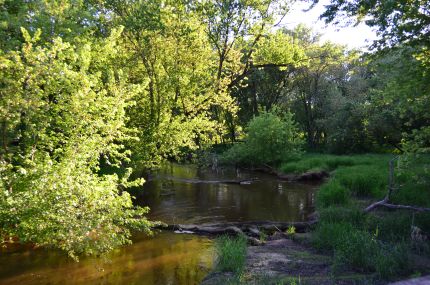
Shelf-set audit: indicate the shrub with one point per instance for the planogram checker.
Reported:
(231, 253)
(269, 139)
(332, 193)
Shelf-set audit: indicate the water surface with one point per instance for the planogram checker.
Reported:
(188, 194)
(162, 260)
(176, 194)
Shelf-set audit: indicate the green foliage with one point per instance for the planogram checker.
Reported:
(269, 139)
(399, 22)
(231, 253)
(377, 242)
(62, 107)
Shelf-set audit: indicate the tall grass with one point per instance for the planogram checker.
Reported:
(364, 180)
(356, 248)
(332, 193)
(231, 253)
(380, 241)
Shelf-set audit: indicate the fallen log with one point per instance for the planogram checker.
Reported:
(235, 228)
(228, 181)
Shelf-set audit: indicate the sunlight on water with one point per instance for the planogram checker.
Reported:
(166, 259)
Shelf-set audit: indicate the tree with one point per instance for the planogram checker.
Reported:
(397, 22)
(62, 108)
(402, 25)
(168, 54)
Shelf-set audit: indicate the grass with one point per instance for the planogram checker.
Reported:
(327, 162)
(332, 193)
(231, 252)
(379, 242)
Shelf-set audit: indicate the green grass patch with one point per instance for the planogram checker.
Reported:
(377, 242)
(318, 162)
(332, 193)
(390, 226)
(328, 235)
(359, 249)
(231, 253)
(364, 180)
(338, 214)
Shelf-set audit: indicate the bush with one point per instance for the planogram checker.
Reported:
(231, 253)
(269, 140)
(332, 193)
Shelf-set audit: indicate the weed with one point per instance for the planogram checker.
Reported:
(291, 230)
(231, 253)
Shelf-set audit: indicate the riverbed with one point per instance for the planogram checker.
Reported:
(176, 194)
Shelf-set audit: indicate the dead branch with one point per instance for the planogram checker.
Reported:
(386, 201)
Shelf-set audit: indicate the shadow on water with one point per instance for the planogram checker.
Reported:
(179, 194)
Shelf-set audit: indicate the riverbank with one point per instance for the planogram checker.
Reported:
(386, 241)
(287, 259)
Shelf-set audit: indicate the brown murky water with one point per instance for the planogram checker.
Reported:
(179, 194)
(166, 259)
(187, 194)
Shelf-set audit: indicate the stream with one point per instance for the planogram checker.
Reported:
(176, 194)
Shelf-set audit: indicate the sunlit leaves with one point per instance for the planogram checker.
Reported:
(63, 106)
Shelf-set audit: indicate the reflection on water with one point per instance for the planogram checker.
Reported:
(182, 194)
(165, 259)
(179, 194)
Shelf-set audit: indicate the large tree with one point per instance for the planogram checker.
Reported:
(396, 21)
